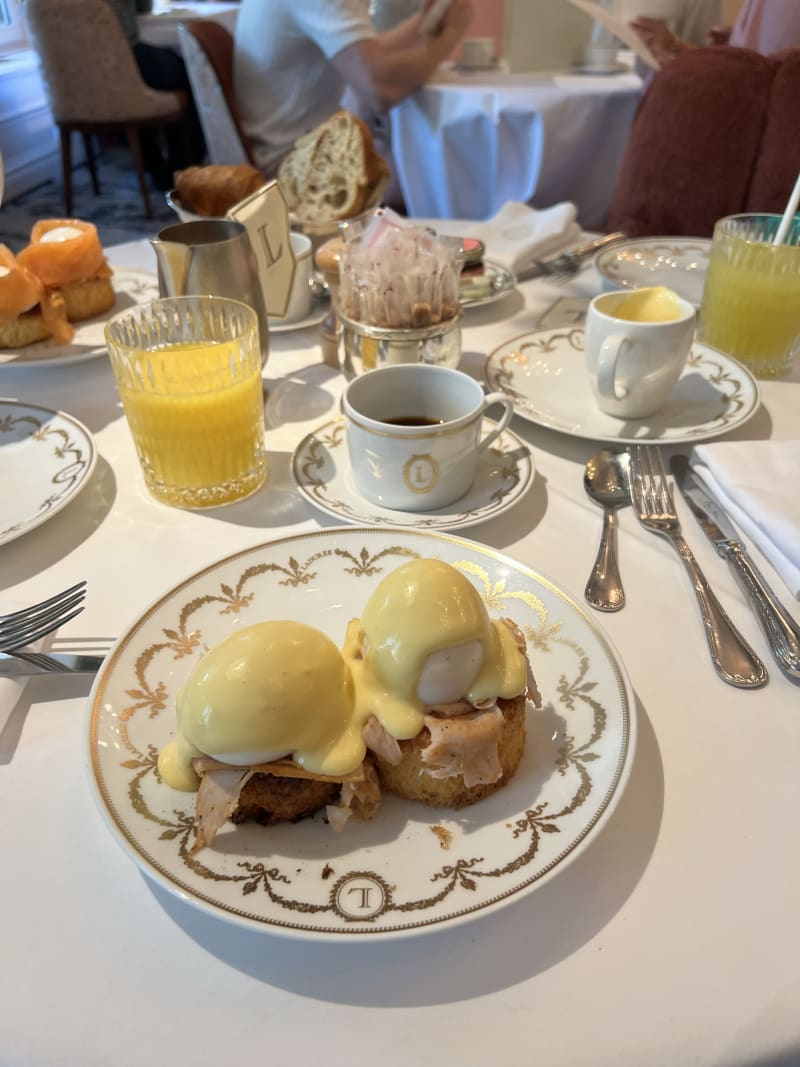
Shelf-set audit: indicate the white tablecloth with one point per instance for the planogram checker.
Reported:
(466, 143)
(673, 939)
(161, 27)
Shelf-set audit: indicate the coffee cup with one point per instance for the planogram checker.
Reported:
(636, 345)
(599, 57)
(414, 434)
(477, 52)
(299, 304)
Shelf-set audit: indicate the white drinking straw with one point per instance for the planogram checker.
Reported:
(788, 214)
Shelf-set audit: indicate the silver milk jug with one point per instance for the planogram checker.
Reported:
(213, 257)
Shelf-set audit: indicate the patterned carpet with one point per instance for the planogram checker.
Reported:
(118, 212)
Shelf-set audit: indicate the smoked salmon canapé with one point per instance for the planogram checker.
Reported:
(66, 260)
(21, 291)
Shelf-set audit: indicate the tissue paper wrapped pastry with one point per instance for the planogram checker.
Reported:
(395, 274)
(213, 190)
(65, 264)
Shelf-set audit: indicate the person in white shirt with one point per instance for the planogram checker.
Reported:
(293, 60)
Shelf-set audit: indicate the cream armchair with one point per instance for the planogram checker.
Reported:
(93, 83)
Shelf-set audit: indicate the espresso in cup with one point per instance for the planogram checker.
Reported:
(636, 345)
(414, 434)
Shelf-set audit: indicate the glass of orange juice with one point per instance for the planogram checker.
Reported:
(188, 370)
(751, 298)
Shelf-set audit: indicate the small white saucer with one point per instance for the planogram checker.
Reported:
(606, 68)
(546, 375)
(321, 470)
(314, 319)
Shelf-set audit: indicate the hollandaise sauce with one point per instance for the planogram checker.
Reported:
(282, 688)
(653, 304)
(275, 689)
(197, 420)
(428, 639)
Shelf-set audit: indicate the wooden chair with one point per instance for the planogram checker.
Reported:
(207, 48)
(93, 83)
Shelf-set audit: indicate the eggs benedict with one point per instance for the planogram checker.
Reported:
(442, 688)
(428, 697)
(267, 728)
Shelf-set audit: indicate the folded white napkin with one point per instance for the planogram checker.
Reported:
(758, 484)
(518, 233)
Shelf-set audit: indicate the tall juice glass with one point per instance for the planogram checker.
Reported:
(751, 299)
(188, 370)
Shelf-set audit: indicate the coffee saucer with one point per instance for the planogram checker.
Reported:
(314, 319)
(321, 470)
(600, 69)
(546, 375)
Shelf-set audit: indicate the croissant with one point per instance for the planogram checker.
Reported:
(213, 190)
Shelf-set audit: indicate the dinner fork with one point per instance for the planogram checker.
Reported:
(735, 662)
(567, 264)
(23, 627)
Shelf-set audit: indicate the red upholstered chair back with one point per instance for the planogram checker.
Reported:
(715, 134)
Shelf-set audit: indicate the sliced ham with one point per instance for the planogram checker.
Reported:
(359, 799)
(217, 798)
(465, 745)
(381, 742)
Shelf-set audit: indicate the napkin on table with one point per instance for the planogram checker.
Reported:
(757, 483)
(518, 234)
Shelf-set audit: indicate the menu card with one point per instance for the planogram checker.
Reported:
(619, 28)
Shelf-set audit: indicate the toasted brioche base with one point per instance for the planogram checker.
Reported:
(24, 330)
(83, 300)
(86, 299)
(269, 799)
(411, 779)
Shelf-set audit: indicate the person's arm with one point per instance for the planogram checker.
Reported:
(384, 69)
(658, 37)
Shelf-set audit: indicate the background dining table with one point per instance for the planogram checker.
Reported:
(492, 136)
(671, 938)
(160, 27)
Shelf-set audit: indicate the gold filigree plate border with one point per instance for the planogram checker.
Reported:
(320, 464)
(507, 370)
(384, 891)
(67, 459)
(646, 254)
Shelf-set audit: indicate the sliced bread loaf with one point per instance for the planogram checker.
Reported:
(333, 171)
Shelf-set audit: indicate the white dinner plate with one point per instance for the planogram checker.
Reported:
(499, 280)
(321, 470)
(46, 457)
(131, 287)
(680, 263)
(545, 374)
(412, 868)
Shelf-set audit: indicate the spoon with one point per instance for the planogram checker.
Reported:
(607, 482)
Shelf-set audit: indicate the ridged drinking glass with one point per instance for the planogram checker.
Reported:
(751, 298)
(188, 370)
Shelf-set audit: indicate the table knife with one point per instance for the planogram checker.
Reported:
(27, 664)
(783, 633)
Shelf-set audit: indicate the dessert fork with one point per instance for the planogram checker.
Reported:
(735, 662)
(27, 625)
